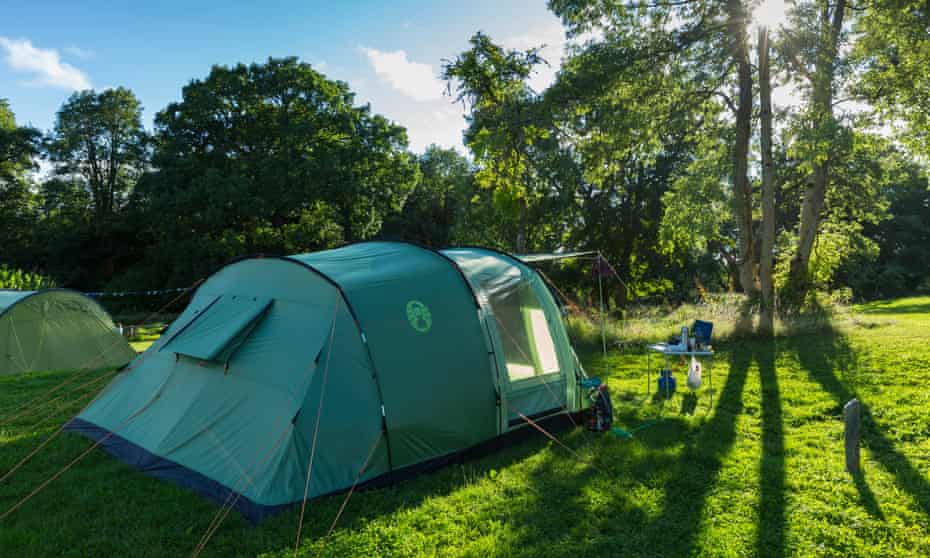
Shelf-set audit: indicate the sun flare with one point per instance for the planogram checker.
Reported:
(770, 14)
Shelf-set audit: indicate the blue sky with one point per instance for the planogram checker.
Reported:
(389, 52)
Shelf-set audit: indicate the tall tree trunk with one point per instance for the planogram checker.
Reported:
(822, 108)
(520, 240)
(742, 191)
(766, 256)
(731, 266)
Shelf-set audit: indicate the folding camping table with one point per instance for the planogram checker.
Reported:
(671, 351)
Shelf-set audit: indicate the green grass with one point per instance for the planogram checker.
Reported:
(146, 335)
(759, 472)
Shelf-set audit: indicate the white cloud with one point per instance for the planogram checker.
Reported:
(551, 39)
(415, 97)
(443, 126)
(45, 64)
(319, 65)
(414, 79)
(79, 52)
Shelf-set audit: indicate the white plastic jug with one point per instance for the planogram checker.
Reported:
(694, 374)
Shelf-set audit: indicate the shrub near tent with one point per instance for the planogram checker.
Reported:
(57, 329)
(380, 354)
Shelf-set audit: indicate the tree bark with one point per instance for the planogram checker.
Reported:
(766, 256)
(742, 191)
(822, 108)
(732, 268)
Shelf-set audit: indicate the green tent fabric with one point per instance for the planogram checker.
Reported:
(406, 355)
(57, 329)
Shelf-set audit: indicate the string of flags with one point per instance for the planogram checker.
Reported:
(137, 293)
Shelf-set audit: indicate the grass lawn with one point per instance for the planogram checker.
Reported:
(759, 472)
(145, 335)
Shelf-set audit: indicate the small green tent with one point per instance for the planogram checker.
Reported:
(378, 358)
(57, 329)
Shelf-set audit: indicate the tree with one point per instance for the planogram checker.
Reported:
(894, 55)
(268, 157)
(766, 256)
(98, 144)
(18, 151)
(626, 132)
(737, 18)
(698, 217)
(503, 125)
(866, 170)
(99, 137)
(811, 48)
(439, 202)
(898, 263)
(699, 49)
(18, 147)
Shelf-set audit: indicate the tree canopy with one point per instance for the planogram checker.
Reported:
(657, 145)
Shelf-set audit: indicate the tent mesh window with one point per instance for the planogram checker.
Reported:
(529, 350)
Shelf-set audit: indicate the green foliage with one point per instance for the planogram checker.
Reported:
(20, 280)
(902, 240)
(894, 54)
(18, 147)
(630, 152)
(439, 211)
(697, 219)
(271, 158)
(99, 136)
(506, 128)
(875, 186)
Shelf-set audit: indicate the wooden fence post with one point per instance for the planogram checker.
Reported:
(851, 413)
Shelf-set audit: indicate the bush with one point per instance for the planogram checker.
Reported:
(20, 280)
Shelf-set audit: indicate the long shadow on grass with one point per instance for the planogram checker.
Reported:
(695, 471)
(822, 357)
(552, 502)
(887, 308)
(598, 505)
(771, 537)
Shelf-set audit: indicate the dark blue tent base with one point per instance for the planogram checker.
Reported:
(151, 464)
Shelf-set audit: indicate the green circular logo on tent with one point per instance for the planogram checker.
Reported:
(419, 316)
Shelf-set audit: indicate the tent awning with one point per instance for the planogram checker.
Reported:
(532, 258)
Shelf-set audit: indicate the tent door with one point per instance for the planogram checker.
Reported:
(535, 398)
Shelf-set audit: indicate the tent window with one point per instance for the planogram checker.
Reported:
(543, 344)
(220, 329)
(528, 347)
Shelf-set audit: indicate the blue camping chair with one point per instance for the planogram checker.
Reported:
(702, 331)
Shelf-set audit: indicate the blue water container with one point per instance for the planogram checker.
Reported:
(667, 382)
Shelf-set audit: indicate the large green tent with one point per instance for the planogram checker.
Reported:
(378, 358)
(57, 329)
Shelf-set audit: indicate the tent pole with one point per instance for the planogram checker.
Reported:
(600, 288)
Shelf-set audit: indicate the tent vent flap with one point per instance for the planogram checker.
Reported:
(215, 333)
